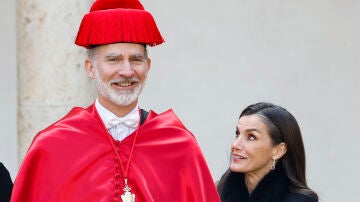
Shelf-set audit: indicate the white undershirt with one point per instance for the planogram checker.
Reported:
(119, 132)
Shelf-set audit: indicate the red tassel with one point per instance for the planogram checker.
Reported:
(116, 25)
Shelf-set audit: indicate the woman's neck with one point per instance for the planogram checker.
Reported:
(252, 179)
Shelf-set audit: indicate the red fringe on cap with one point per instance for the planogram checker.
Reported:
(108, 26)
(111, 4)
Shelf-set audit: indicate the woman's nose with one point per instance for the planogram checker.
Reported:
(237, 143)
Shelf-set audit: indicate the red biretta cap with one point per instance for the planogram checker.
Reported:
(115, 21)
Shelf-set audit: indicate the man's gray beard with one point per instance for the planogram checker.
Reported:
(121, 98)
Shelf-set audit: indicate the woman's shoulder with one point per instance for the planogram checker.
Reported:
(298, 197)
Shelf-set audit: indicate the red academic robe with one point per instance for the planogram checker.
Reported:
(73, 161)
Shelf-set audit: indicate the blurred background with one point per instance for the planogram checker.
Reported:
(219, 57)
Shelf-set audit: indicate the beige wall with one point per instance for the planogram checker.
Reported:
(218, 58)
(8, 86)
(221, 56)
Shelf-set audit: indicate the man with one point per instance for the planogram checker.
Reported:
(113, 150)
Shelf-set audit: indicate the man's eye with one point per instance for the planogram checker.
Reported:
(138, 59)
(111, 59)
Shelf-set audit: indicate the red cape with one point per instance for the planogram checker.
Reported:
(73, 161)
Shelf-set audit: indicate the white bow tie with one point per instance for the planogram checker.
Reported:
(130, 121)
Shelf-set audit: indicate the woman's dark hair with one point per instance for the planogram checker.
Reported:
(282, 127)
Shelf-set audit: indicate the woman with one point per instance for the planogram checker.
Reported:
(267, 159)
(6, 184)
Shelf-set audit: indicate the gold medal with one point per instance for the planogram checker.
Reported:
(127, 196)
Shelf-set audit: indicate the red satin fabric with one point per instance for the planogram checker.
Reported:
(73, 160)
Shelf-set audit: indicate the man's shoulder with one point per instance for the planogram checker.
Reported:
(75, 115)
(76, 120)
(167, 119)
(167, 125)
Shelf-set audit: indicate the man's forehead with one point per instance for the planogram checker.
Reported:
(120, 49)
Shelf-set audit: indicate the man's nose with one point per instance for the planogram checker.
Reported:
(126, 69)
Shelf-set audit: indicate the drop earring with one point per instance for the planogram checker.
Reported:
(273, 164)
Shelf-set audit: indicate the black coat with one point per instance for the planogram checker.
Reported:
(274, 187)
(6, 184)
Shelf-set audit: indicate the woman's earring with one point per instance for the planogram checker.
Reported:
(273, 164)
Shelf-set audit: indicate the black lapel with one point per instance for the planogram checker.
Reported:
(143, 116)
(272, 188)
(234, 189)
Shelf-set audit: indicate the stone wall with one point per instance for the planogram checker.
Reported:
(51, 72)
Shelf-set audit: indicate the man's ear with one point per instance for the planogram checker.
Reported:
(279, 150)
(89, 66)
(148, 64)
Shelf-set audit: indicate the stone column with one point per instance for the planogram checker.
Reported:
(51, 74)
(8, 87)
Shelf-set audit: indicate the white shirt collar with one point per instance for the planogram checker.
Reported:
(106, 115)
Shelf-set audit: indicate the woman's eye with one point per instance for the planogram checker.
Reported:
(237, 133)
(251, 137)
